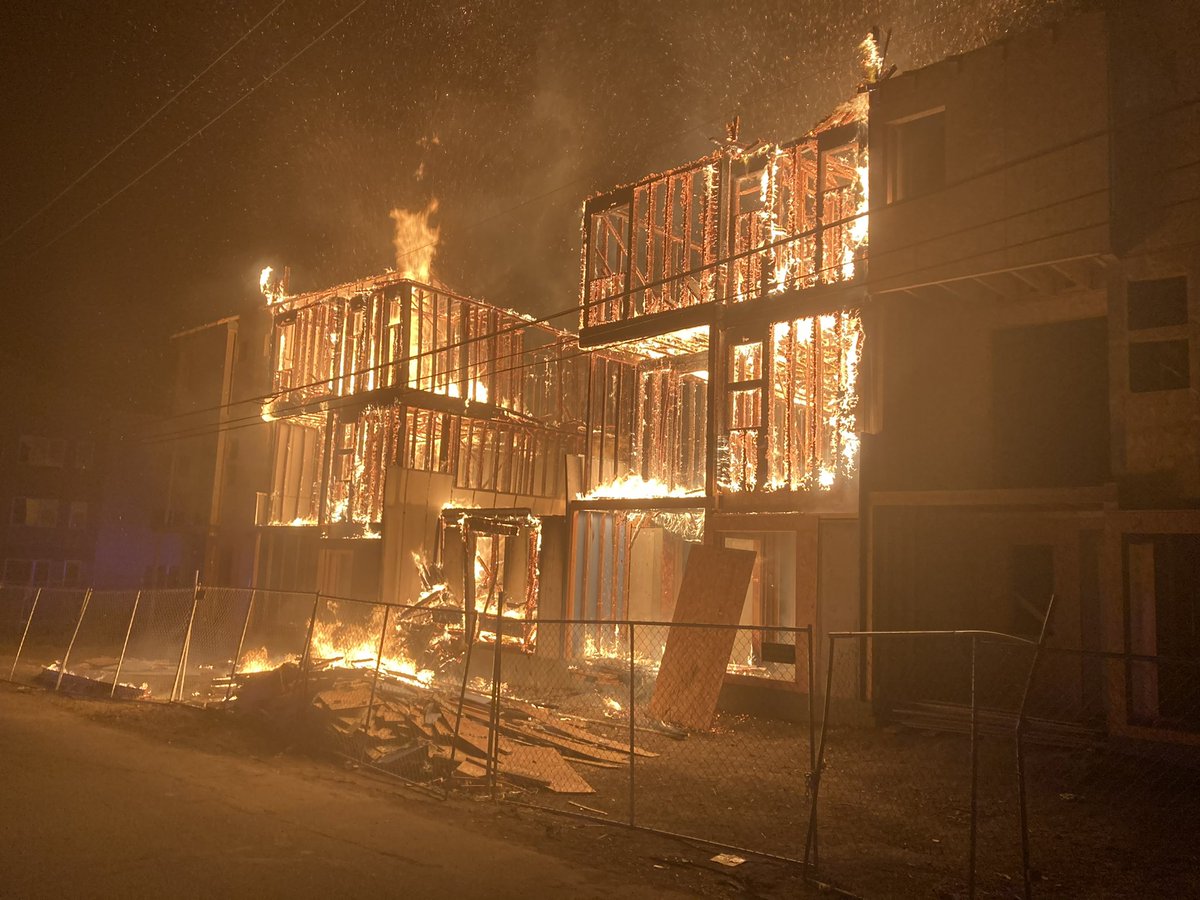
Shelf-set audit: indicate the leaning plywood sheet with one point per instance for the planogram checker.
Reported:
(713, 592)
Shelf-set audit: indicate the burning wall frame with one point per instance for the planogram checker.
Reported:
(391, 370)
(737, 224)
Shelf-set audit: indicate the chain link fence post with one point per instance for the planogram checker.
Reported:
(632, 726)
(125, 644)
(62, 669)
(24, 634)
(1022, 789)
(974, 767)
(180, 673)
(811, 858)
(237, 654)
(387, 615)
(812, 721)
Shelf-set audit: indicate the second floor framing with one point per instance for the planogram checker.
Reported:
(385, 337)
(741, 223)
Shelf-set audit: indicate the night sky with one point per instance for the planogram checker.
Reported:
(509, 113)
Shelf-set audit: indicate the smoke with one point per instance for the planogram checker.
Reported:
(416, 241)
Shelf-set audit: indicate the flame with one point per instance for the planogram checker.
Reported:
(416, 241)
(260, 660)
(634, 487)
(477, 391)
(331, 645)
(870, 60)
(859, 227)
(270, 285)
(613, 705)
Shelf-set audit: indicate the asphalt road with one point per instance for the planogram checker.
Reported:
(90, 810)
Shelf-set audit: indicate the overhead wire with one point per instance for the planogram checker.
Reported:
(893, 205)
(154, 115)
(199, 131)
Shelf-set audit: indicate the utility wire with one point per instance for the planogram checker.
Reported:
(154, 115)
(326, 404)
(1159, 113)
(199, 131)
(200, 429)
(516, 326)
(352, 399)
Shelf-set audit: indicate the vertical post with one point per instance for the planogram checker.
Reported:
(387, 614)
(237, 654)
(974, 766)
(180, 672)
(632, 725)
(306, 657)
(494, 717)
(812, 718)
(24, 634)
(812, 701)
(125, 646)
(78, 622)
(1022, 797)
(810, 845)
(469, 635)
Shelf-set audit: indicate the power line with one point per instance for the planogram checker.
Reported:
(199, 131)
(516, 326)
(352, 400)
(327, 404)
(154, 115)
(752, 251)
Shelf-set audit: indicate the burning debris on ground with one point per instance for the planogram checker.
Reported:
(443, 727)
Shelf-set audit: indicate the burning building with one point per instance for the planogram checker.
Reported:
(931, 363)
(392, 399)
(727, 298)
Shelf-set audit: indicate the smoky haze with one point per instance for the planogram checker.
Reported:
(508, 114)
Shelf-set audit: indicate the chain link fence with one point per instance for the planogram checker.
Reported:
(984, 764)
(892, 763)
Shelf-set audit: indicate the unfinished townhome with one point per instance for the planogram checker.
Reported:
(1034, 271)
(724, 299)
(393, 400)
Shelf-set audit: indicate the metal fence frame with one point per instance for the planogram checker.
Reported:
(819, 694)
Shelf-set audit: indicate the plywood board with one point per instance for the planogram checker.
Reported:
(544, 766)
(712, 592)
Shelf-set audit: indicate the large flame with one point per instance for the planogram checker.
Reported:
(633, 487)
(341, 646)
(416, 241)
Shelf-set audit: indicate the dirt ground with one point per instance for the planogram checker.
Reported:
(894, 812)
(131, 799)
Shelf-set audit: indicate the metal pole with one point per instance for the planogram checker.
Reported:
(306, 656)
(82, 609)
(177, 692)
(387, 614)
(1022, 798)
(632, 726)
(810, 845)
(237, 655)
(494, 717)
(974, 767)
(812, 707)
(37, 596)
(812, 701)
(125, 646)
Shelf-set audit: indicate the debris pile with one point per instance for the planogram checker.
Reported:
(87, 683)
(417, 732)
